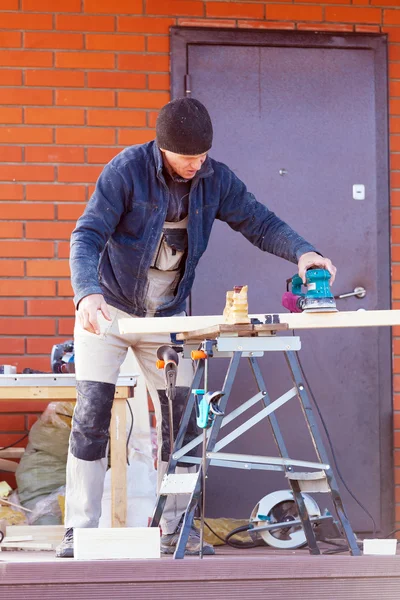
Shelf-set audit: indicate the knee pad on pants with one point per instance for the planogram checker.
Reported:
(179, 403)
(91, 420)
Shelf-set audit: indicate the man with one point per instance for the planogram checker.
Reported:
(133, 254)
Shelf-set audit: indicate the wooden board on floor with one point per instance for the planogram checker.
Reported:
(46, 534)
(358, 318)
(119, 542)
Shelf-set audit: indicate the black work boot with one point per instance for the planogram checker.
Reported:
(66, 548)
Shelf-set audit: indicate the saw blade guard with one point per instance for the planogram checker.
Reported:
(280, 507)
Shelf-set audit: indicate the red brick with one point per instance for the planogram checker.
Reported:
(11, 438)
(10, 153)
(47, 268)
(151, 119)
(14, 346)
(395, 198)
(144, 24)
(16, 406)
(393, 33)
(13, 268)
(394, 51)
(349, 14)
(25, 21)
(116, 80)
(175, 7)
(85, 60)
(10, 115)
(159, 43)
(185, 22)
(390, 17)
(10, 77)
(25, 58)
(24, 249)
(71, 41)
(23, 362)
(85, 98)
(49, 308)
(54, 78)
(101, 155)
(64, 288)
(41, 345)
(48, 6)
(85, 135)
(54, 154)
(11, 192)
(368, 28)
(10, 423)
(235, 9)
(294, 13)
(396, 253)
(27, 287)
(394, 88)
(383, 3)
(10, 231)
(42, 231)
(25, 96)
(396, 387)
(394, 70)
(10, 39)
(327, 1)
(395, 161)
(31, 418)
(9, 5)
(54, 116)
(111, 118)
(26, 173)
(14, 307)
(117, 7)
(66, 326)
(324, 27)
(143, 62)
(53, 193)
(26, 326)
(134, 43)
(81, 174)
(142, 99)
(395, 106)
(69, 212)
(63, 250)
(395, 180)
(159, 81)
(84, 23)
(128, 137)
(396, 401)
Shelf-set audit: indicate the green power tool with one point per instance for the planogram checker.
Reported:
(318, 296)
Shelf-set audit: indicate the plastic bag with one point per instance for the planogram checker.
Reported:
(41, 470)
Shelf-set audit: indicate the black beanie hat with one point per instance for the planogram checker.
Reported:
(184, 127)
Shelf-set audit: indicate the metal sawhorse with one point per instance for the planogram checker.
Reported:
(249, 341)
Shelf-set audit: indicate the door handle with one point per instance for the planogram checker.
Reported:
(358, 292)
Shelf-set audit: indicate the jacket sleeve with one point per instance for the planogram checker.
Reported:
(93, 229)
(240, 209)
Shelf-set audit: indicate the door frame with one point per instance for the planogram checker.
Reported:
(184, 37)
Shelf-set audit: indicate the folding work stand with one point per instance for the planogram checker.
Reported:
(249, 341)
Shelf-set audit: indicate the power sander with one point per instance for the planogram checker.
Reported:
(317, 298)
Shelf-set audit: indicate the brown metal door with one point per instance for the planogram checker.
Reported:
(301, 123)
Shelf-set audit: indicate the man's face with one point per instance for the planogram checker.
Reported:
(184, 166)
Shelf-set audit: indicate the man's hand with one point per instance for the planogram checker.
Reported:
(87, 312)
(312, 259)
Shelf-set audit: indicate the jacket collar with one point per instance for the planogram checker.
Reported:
(205, 171)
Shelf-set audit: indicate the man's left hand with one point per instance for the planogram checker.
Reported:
(312, 259)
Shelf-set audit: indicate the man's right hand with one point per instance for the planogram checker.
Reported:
(87, 312)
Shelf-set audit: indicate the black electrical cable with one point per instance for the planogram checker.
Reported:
(331, 446)
(129, 434)
(15, 443)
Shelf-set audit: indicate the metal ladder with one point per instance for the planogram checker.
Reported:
(320, 479)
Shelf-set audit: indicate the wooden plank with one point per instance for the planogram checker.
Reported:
(359, 318)
(49, 393)
(122, 543)
(51, 534)
(8, 465)
(239, 330)
(12, 452)
(118, 464)
(26, 546)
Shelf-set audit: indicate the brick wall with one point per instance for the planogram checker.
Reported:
(76, 87)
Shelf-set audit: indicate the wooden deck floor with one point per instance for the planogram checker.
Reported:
(260, 573)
